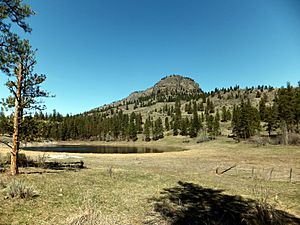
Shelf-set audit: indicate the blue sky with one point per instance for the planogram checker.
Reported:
(97, 51)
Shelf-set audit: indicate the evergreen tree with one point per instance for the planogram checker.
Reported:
(167, 124)
(245, 120)
(139, 123)
(262, 109)
(184, 126)
(210, 123)
(286, 105)
(297, 107)
(216, 126)
(224, 114)
(188, 107)
(177, 118)
(147, 127)
(25, 90)
(132, 131)
(5, 124)
(271, 118)
(195, 123)
(158, 130)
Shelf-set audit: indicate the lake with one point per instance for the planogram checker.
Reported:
(100, 149)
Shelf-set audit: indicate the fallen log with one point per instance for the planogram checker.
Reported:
(224, 171)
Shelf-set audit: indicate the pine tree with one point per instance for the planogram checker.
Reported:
(297, 107)
(139, 123)
(158, 130)
(12, 12)
(286, 105)
(177, 118)
(25, 90)
(224, 114)
(245, 120)
(195, 123)
(167, 124)
(184, 126)
(132, 131)
(147, 127)
(188, 107)
(216, 126)
(210, 123)
(262, 109)
(271, 118)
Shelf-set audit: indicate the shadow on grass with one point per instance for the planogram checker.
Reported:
(49, 167)
(191, 204)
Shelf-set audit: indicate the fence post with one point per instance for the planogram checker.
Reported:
(291, 171)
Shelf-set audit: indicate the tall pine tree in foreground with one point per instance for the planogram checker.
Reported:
(24, 86)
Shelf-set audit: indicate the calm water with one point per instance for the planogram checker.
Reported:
(99, 149)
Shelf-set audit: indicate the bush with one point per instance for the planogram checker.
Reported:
(18, 189)
(23, 160)
(41, 160)
(294, 139)
(263, 213)
(205, 139)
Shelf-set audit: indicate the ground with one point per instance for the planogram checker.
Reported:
(121, 188)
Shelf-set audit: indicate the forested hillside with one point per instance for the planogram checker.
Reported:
(176, 106)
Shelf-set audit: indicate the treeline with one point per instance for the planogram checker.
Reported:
(117, 125)
(279, 114)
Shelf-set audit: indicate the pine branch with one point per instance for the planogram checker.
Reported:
(6, 143)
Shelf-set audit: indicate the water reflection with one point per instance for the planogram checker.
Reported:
(98, 149)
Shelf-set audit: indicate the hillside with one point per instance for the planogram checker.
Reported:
(169, 88)
(165, 92)
(166, 88)
(177, 106)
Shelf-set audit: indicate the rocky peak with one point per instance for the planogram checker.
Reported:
(168, 85)
(176, 83)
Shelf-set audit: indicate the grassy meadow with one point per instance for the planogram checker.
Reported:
(125, 188)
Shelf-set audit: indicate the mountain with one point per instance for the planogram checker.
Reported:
(167, 87)
(177, 106)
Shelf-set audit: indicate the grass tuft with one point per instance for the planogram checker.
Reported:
(90, 215)
(18, 189)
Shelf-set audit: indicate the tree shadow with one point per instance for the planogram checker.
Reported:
(191, 204)
(45, 167)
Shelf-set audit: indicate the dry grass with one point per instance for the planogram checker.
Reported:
(115, 188)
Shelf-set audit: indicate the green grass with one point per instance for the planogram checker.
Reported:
(123, 198)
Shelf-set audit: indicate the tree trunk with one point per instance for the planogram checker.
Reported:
(285, 134)
(17, 119)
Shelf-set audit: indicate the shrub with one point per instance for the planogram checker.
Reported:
(18, 189)
(263, 213)
(23, 160)
(41, 160)
(294, 139)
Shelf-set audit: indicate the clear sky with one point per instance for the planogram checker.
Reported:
(97, 51)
